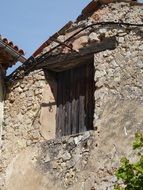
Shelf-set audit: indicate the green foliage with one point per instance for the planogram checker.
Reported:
(138, 142)
(131, 174)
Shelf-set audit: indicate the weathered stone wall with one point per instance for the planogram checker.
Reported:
(119, 72)
(24, 115)
(86, 161)
(1, 103)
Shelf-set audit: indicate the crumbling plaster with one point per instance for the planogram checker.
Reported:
(85, 161)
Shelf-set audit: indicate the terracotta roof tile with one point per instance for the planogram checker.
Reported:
(10, 53)
(11, 44)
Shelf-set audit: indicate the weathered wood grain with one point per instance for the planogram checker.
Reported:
(75, 108)
(67, 61)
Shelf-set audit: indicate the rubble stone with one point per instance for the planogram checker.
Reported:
(82, 161)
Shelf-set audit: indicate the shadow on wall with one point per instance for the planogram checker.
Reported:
(48, 107)
(72, 97)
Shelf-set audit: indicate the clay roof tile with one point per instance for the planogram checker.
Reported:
(11, 44)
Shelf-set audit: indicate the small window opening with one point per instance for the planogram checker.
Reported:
(75, 100)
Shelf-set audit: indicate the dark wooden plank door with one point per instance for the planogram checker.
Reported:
(75, 100)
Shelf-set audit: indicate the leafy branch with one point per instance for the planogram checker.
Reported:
(131, 174)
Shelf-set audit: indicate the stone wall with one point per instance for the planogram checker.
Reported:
(1, 103)
(119, 72)
(86, 161)
(24, 115)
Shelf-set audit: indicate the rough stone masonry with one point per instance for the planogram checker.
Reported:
(1, 102)
(87, 161)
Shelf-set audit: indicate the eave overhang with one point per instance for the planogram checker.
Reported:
(10, 54)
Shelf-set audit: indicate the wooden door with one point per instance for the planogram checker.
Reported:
(75, 100)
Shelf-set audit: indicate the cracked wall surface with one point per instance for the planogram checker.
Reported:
(86, 161)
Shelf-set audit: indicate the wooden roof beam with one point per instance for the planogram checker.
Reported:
(66, 61)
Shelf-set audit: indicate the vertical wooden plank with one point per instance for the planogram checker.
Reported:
(69, 87)
(64, 123)
(73, 116)
(57, 122)
(59, 108)
(82, 99)
(70, 119)
(86, 97)
(75, 100)
(81, 114)
(57, 112)
(60, 132)
(92, 96)
(66, 101)
(78, 73)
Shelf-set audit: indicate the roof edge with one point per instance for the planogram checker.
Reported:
(94, 5)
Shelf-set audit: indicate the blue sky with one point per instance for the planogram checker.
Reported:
(28, 23)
